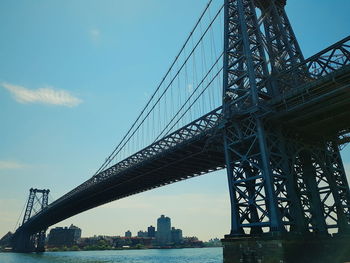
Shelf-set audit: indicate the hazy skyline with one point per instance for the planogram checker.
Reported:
(73, 77)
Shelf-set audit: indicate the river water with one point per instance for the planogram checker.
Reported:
(186, 255)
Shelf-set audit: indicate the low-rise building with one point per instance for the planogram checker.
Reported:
(132, 242)
(64, 236)
(192, 242)
(142, 234)
(176, 235)
(128, 233)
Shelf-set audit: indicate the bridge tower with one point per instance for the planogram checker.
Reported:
(25, 240)
(285, 185)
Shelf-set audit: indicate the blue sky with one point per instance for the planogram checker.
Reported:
(73, 75)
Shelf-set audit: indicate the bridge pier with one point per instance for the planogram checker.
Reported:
(22, 243)
(27, 239)
(40, 241)
(297, 249)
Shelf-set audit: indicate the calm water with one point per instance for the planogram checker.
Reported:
(186, 255)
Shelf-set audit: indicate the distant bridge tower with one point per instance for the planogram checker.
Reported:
(27, 241)
(282, 180)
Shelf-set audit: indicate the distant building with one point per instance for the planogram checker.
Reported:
(131, 242)
(128, 233)
(176, 235)
(214, 242)
(192, 242)
(151, 231)
(64, 236)
(163, 235)
(142, 234)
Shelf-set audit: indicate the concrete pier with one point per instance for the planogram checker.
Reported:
(302, 249)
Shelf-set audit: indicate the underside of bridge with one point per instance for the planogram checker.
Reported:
(192, 159)
(321, 107)
(197, 155)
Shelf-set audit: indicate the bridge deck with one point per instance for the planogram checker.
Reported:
(322, 104)
(191, 151)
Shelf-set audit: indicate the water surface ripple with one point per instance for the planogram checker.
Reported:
(187, 255)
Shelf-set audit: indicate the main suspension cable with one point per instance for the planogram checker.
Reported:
(150, 107)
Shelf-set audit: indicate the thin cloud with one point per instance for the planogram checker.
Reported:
(95, 34)
(11, 165)
(45, 95)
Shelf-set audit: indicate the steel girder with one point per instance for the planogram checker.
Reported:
(193, 158)
(23, 240)
(278, 180)
(198, 127)
(245, 68)
(33, 196)
(254, 204)
(193, 150)
(29, 206)
(322, 100)
(282, 46)
(324, 63)
(321, 184)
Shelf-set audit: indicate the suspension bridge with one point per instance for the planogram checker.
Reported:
(238, 96)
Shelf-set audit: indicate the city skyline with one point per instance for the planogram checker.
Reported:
(150, 232)
(83, 54)
(127, 232)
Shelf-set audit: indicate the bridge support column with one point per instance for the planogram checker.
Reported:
(293, 249)
(335, 174)
(22, 243)
(309, 175)
(25, 239)
(40, 241)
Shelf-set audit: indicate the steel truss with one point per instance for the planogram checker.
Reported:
(36, 241)
(280, 181)
(322, 64)
(198, 128)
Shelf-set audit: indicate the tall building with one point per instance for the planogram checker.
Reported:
(163, 235)
(151, 231)
(176, 235)
(128, 233)
(64, 236)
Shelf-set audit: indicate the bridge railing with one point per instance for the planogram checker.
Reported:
(319, 65)
(330, 59)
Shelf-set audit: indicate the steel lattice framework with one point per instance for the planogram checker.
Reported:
(34, 241)
(279, 179)
(277, 133)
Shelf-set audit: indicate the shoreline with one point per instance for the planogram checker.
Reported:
(111, 249)
(130, 248)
